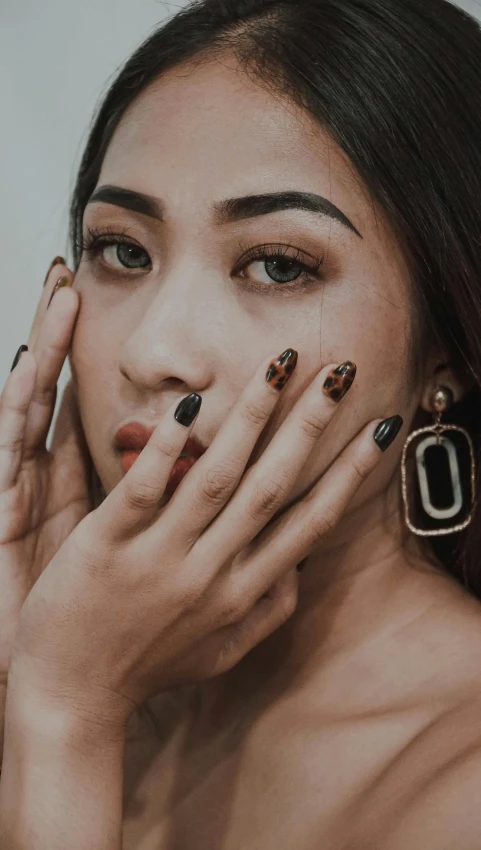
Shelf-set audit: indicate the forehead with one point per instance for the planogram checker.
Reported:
(200, 133)
(220, 125)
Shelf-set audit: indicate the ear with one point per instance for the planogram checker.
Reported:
(441, 372)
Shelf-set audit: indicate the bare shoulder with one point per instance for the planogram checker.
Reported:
(448, 635)
(445, 812)
(429, 795)
(434, 785)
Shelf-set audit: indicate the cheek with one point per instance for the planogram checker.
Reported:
(96, 385)
(89, 354)
(374, 335)
(361, 323)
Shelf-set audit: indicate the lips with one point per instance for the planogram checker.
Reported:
(128, 459)
(131, 438)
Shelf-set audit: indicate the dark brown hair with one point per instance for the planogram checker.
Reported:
(397, 84)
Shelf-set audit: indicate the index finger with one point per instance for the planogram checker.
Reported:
(267, 485)
(216, 475)
(135, 500)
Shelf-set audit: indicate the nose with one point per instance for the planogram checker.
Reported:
(173, 342)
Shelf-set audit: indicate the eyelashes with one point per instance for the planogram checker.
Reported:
(279, 255)
(97, 240)
(285, 261)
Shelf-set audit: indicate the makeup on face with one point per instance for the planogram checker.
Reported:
(230, 210)
(131, 438)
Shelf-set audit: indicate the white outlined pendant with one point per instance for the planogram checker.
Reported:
(462, 503)
(450, 448)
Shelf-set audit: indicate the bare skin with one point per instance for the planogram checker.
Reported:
(357, 744)
(322, 733)
(332, 732)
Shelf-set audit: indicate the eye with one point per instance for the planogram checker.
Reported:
(274, 267)
(115, 249)
(277, 269)
(129, 256)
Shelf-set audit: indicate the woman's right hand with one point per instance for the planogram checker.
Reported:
(43, 493)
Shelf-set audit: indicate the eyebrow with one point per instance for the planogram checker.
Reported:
(230, 210)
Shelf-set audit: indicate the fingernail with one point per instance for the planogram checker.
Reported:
(62, 281)
(54, 262)
(188, 409)
(339, 381)
(17, 356)
(387, 431)
(281, 369)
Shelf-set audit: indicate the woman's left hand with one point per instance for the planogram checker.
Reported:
(138, 601)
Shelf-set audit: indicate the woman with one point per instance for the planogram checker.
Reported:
(276, 217)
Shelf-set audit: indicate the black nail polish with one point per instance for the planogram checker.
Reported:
(188, 409)
(281, 369)
(387, 431)
(17, 356)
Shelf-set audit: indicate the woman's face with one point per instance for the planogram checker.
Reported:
(192, 311)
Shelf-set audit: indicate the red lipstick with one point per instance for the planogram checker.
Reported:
(131, 438)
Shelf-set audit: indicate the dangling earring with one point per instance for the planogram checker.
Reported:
(461, 469)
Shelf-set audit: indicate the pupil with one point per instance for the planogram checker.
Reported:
(131, 256)
(287, 275)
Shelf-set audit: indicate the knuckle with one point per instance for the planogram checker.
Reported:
(13, 446)
(44, 395)
(325, 523)
(228, 648)
(217, 484)
(289, 605)
(142, 492)
(312, 425)
(166, 449)
(90, 549)
(360, 469)
(232, 608)
(255, 413)
(196, 596)
(268, 498)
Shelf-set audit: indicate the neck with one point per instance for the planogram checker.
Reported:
(361, 587)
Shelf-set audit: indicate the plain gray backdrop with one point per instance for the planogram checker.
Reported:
(57, 57)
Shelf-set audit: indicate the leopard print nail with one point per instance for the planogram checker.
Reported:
(281, 369)
(339, 381)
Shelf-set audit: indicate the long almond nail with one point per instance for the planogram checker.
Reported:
(339, 381)
(62, 281)
(387, 431)
(281, 369)
(54, 262)
(18, 355)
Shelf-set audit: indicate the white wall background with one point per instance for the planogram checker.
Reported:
(56, 59)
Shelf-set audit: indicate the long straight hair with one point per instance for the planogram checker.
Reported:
(397, 84)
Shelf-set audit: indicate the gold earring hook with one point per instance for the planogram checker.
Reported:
(442, 399)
